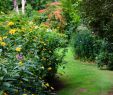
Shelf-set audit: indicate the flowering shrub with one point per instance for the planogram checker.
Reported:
(53, 16)
(28, 55)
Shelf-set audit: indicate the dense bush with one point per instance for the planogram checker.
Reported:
(28, 55)
(87, 46)
(104, 57)
(84, 42)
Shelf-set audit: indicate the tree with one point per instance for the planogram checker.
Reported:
(23, 6)
(98, 14)
(15, 3)
(15, 6)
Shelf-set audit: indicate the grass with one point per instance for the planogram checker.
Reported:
(82, 78)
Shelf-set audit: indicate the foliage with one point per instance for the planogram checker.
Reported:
(104, 58)
(90, 47)
(98, 15)
(52, 16)
(28, 54)
(84, 42)
(70, 11)
(5, 5)
(39, 4)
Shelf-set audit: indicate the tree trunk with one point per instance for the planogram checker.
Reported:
(15, 6)
(23, 6)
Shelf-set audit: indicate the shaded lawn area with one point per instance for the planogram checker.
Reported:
(82, 78)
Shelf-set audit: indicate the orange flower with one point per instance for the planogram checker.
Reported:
(42, 11)
(46, 24)
(58, 15)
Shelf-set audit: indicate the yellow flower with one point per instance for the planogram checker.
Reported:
(24, 94)
(1, 38)
(10, 23)
(4, 37)
(49, 68)
(3, 44)
(12, 31)
(18, 49)
(21, 63)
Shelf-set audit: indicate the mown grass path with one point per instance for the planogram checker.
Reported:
(82, 78)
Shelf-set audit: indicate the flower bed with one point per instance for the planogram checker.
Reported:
(28, 55)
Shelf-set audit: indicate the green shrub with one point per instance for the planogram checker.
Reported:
(18, 79)
(84, 44)
(104, 57)
(28, 55)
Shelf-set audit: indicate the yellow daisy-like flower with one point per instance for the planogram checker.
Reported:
(18, 49)
(10, 23)
(20, 63)
(49, 68)
(3, 44)
(12, 31)
(1, 38)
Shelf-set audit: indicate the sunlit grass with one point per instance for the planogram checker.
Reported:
(82, 78)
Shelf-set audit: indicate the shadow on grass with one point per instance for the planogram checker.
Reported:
(57, 84)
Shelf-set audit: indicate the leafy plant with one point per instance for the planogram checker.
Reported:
(98, 15)
(29, 53)
(71, 14)
(84, 42)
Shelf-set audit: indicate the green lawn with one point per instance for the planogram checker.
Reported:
(82, 78)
